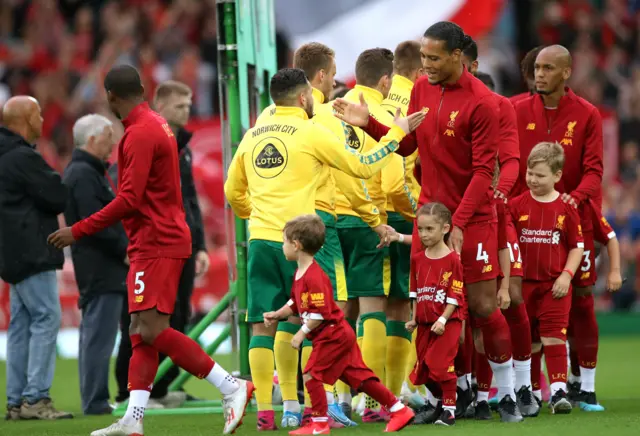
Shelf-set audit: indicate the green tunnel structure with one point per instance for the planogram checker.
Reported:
(246, 61)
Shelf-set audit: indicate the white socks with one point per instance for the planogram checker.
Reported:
(503, 373)
(482, 396)
(431, 399)
(291, 406)
(135, 409)
(538, 394)
(396, 407)
(522, 369)
(463, 382)
(588, 377)
(344, 398)
(575, 378)
(222, 380)
(331, 399)
(555, 387)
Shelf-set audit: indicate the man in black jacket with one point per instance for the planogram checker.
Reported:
(31, 197)
(173, 101)
(100, 261)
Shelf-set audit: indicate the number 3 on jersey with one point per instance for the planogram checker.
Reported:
(482, 254)
(139, 284)
(586, 261)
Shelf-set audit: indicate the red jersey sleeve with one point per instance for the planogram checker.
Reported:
(591, 160)
(602, 230)
(320, 295)
(574, 229)
(508, 147)
(484, 147)
(137, 157)
(503, 220)
(455, 292)
(292, 304)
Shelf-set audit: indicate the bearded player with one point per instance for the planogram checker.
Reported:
(557, 114)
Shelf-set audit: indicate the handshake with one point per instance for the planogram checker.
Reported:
(388, 235)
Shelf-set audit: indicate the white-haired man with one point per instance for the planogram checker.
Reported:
(100, 261)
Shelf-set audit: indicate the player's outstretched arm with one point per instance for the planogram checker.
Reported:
(508, 150)
(236, 188)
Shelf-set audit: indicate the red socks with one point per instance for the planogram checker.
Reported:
(143, 365)
(379, 392)
(556, 358)
(449, 393)
(520, 330)
(536, 367)
(484, 373)
(184, 352)
(585, 330)
(318, 396)
(464, 359)
(497, 340)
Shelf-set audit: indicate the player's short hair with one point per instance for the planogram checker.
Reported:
(471, 51)
(88, 126)
(550, 153)
(170, 88)
(372, 65)
(286, 83)
(452, 35)
(313, 57)
(124, 82)
(309, 230)
(487, 80)
(527, 65)
(436, 209)
(406, 58)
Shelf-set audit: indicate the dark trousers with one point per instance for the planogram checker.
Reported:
(98, 331)
(179, 320)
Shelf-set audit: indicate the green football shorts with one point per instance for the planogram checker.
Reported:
(330, 257)
(400, 256)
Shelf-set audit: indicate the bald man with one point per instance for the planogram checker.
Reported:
(31, 197)
(556, 114)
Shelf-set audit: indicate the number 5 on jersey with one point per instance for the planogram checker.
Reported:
(139, 284)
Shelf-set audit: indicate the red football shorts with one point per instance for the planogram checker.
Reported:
(480, 252)
(586, 274)
(336, 356)
(549, 316)
(154, 283)
(514, 252)
(436, 354)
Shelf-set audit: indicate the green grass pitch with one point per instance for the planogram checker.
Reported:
(618, 383)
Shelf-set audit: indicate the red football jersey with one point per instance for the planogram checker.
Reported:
(546, 233)
(602, 230)
(312, 298)
(436, 283)
(149, 198)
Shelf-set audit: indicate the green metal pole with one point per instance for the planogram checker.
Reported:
(230, 50)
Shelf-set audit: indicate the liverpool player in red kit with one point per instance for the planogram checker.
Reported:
(438, 309)
(551, 243)
(457, 145)
(558, 115)
(149, 203)
(335, 354)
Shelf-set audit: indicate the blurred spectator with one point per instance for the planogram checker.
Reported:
(31, 197)
(100, 261)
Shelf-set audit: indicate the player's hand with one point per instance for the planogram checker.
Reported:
(270, 318)
(296, 342)
(437, 328)
(504, 299)
(411, 325)
(351, 113)
(202, 263)
(410, 123)
(127, 261)
(455, 240)
(570, 200)
(500, 195)
(614, 280)
(61, 238)
(561, 285)
(383, 233)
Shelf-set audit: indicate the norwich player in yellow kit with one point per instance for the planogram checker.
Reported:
(401, 355)
(278, 163)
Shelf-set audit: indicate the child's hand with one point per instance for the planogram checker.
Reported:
(561, 286)
(437, 328)
(269, 318)
(614, 281)
(411, 325)
(296, 342)
(504, 299)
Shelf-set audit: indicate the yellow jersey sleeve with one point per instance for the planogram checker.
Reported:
(356, 193)
(236, 188)
(399, 194)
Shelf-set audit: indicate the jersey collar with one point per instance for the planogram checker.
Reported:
(318, 96)
(370, 94)
(566, 98)
(401, 82)
(135, 114)
(291, 111)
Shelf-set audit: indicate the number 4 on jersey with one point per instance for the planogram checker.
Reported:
(482, 254)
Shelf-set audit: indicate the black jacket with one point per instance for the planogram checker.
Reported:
(31, 197)
(98, 260)
(189, 194)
